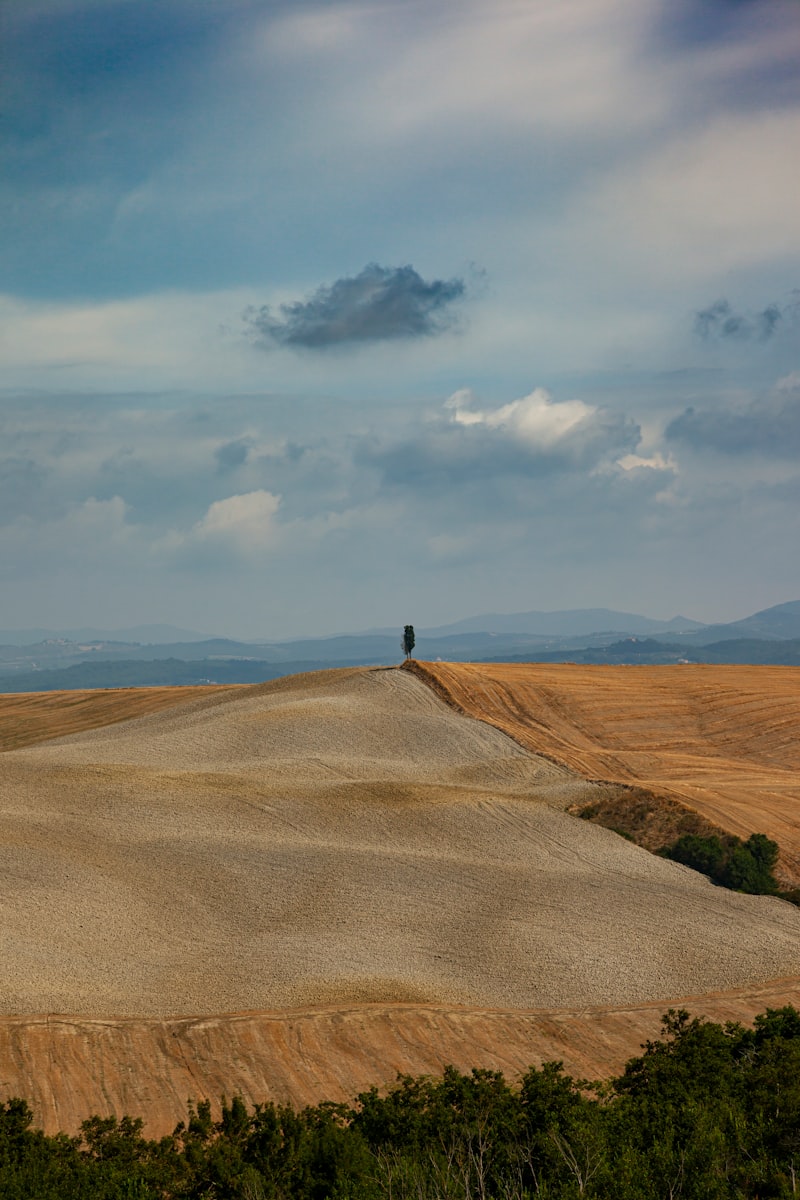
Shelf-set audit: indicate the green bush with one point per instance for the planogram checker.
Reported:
(732, 863)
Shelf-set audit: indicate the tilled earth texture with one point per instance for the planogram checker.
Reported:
(723, 741)
(340, 838)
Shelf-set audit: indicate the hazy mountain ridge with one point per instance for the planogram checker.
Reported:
(567, 623)
(778, 623)
(771, 636)
(136, 634)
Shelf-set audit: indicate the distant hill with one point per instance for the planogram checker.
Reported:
(783, 653)
(167, 672)
(648, 651)
(782, 621)
(570, 623)
(591, 635)
(154, 634)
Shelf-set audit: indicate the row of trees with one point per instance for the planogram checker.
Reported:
(708, 1112)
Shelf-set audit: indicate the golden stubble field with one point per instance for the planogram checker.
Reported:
(722, 740)
(27, 718)
(297, 889)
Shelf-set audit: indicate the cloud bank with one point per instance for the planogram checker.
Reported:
(768, 425)
(379, 304)
(527, 439)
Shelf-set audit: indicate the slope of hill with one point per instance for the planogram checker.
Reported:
(343, 836)
(31, 717)
(781, 621)
(69, 1067)
(722, 740)
(395, 884)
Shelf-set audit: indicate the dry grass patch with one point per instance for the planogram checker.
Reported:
(27, 718)
(649, 820)
(720, 741)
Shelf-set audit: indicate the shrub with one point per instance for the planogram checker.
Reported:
(732, 863)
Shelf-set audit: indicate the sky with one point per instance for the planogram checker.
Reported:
(318, 317)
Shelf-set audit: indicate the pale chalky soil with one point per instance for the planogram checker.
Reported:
(334, 837)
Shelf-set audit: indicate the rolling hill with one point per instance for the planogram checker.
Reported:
(313, 883)
(721, 740)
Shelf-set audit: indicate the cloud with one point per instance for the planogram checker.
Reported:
(528, 438)
(247, 516)
(708, 25)
(379, 304)
(93, 531)
(721, 322)
(769, 425)
(231, 455)
(244, 523)
(535, 419)
(149, 342)
(700, 202)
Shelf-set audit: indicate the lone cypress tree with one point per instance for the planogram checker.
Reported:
(408, 642)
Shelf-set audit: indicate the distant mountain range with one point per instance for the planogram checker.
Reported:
(575, 622)
(150, 634)
(150, 655)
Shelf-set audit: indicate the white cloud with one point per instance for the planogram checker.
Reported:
(653, 462)
(246, 522)
(536, 419)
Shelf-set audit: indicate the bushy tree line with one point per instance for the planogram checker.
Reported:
(731, 863)
(707, 1112)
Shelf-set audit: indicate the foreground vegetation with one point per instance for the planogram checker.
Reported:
(708, 1111)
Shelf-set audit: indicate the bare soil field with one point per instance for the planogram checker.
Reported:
(69, 1067)
(723, 741)
(372, 881)
(30, 717)
(339, 837)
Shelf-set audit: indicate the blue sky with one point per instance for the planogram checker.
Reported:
(326, 316)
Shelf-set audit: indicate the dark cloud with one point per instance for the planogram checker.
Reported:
(231, 455)
(769, 426)
(721, 322)
(379, 304)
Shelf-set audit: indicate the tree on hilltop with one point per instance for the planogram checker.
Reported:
(408, 641)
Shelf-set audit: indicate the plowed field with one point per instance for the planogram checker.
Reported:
(30, 717)
(723, 740)
(297, 889)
